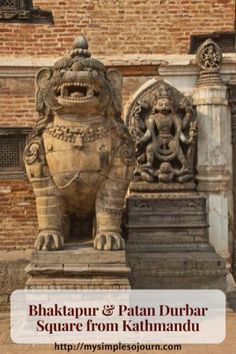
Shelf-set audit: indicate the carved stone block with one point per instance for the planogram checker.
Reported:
(78, 268)
(168, 243)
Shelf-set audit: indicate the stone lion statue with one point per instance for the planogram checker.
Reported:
(80, 156)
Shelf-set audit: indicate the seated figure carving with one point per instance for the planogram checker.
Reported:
(165, 138)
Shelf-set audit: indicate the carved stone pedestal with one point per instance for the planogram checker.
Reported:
(167, 221)
(168, 244)
(78, 267)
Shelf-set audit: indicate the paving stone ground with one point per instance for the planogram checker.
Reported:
(227, 347)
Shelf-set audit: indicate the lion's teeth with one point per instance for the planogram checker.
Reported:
(89, 92)
(65, 91)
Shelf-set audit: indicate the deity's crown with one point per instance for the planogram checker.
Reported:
(163, 91)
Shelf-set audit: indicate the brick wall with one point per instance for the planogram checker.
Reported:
(118, 26)
(17, 215)
(17, 102)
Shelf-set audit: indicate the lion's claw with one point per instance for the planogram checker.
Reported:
(48, 240)
(109, 241)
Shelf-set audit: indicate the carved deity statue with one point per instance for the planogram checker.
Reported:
(80, 156)
(163, 125)
(209, 56)
(209, 60)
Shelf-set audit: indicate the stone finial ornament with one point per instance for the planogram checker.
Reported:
(209, 60)
(80, 156)
(163, 125)
(80, 48)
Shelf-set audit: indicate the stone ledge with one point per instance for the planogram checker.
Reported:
(129, 65)
(147, 187)
(127, 59)
(80, 283)
(205, 261)
(82, 254)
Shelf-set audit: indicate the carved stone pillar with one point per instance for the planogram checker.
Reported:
(232, 102)
(214, 146)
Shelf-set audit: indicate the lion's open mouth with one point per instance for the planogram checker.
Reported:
(77, 92)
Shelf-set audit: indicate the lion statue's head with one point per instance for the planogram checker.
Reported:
(78, 85)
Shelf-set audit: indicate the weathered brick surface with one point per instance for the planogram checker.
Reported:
(118, 27)
(17, 215)
(17, 106)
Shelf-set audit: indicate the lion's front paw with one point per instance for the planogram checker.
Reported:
(48, 240)
(109, 241)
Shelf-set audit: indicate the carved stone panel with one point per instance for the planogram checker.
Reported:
(209, 60)
(163, 125)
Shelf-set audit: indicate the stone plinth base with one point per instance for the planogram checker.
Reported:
(78, 267)
(169, 219)
(168, 245)
(177, 270)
